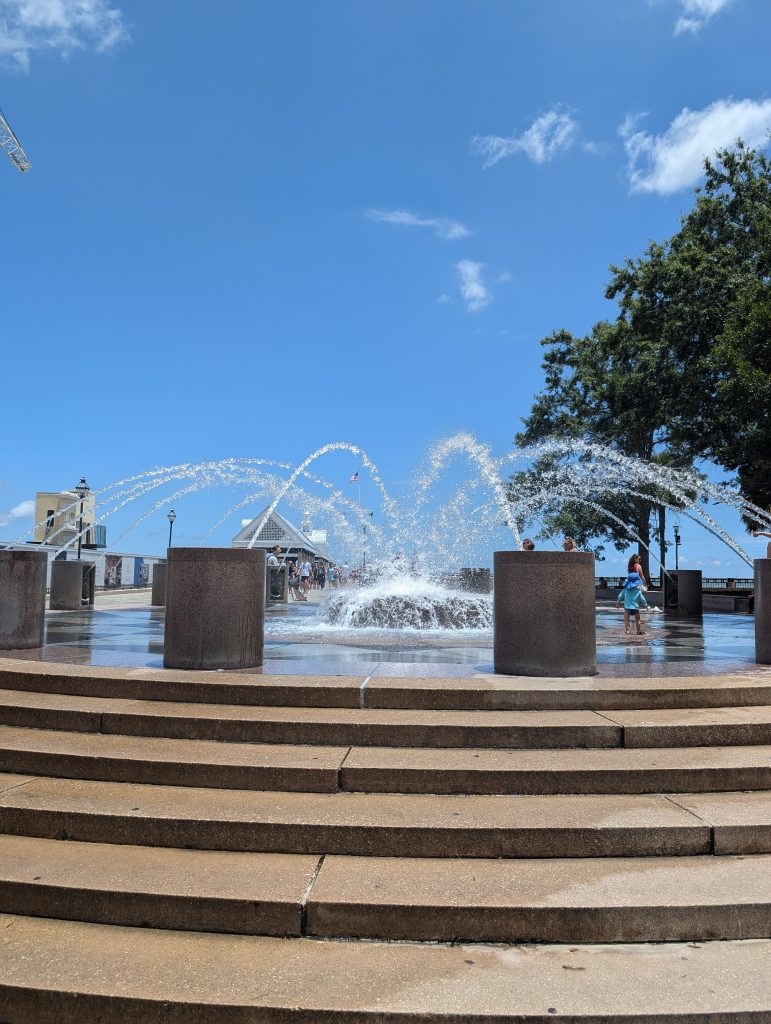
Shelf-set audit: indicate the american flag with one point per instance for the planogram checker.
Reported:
(354, 478)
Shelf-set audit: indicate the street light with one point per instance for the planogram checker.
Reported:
(81, 490)
(677, 545)
(171, 517)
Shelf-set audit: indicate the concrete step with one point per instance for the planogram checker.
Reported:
(692, 769)
(54, 971)
(694, 727)
(607, 899)
(199, 890)
(308, 725)
(86, 755)
(594, 693)
(478, 693)
(741, 822)
(574, 900)
(116, 758)
(355, 824)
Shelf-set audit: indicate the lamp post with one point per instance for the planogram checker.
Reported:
(677, 546)
(81, 490)
(171, 517)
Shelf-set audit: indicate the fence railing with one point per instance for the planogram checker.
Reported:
(707, 583)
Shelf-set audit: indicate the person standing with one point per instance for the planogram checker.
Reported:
(305, 576)
(633, 599)
(273, 556)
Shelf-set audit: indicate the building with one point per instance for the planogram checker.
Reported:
(57, 515)
(112, 570)
(306, 542)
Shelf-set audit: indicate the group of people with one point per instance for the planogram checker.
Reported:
(568, 544)
(305, 575)
(632, 595)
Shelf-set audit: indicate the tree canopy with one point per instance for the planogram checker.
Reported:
(684, 371)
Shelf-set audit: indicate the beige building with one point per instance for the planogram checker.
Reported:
(56, 518)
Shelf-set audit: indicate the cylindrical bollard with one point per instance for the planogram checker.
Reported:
(22, 599)
(215, 608)
(158, 596)
(763, 611)
(544, 613)
(475, 581)
(683, 595)
(67, 587)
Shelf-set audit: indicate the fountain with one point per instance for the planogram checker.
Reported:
(420, 594)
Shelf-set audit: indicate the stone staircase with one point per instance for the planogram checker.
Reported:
(205, 847)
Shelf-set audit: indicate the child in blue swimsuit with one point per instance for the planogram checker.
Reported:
(634, 599)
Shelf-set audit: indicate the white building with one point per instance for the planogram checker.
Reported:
(277, 530)
(113, 569)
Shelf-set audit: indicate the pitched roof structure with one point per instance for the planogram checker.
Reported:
(278, 530)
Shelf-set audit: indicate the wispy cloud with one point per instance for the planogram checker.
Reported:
(696, 14)
(24, 510)
(674, 160)
(473, 290)
(552, 133)
(27, 26)
(444, 227)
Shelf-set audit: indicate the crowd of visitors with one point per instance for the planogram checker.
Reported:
(305, 575)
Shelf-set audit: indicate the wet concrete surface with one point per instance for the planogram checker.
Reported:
(125, 631)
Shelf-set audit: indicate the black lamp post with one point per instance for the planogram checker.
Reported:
(81, 490)
(677, 546)
(171, 517)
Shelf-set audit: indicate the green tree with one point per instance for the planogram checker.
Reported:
(684, 372)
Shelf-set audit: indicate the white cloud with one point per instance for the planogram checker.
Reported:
(27, 26)
(444, 299)
(445, 227)
(504, 277)
(24, 510)
(674, 160)
(474, 292)
(550, 134)
(696, 14)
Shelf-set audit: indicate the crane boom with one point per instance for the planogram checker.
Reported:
(12, 146)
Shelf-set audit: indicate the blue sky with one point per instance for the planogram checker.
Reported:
(253, 228)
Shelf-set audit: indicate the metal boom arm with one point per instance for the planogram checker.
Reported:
(12, 146)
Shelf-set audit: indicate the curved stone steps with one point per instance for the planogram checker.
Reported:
(478, 693)
(52, 971)
(643, 899)
(236, 724)
(387, 727)
(116, 758)
(358, 824)
(578, 900)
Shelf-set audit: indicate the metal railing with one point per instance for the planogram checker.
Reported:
(728, 583)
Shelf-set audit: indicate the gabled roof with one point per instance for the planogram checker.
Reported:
(276, 530)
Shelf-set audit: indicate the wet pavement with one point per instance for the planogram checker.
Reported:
(132, 636)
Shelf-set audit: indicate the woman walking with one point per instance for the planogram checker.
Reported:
(633, 595)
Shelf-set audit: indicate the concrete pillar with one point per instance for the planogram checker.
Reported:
(544, 613)
(475, 581)
(72, 585)
(158, 597)
(277, 584)
(763, 611)
(22, 599)
(215, 608)
(682, 592)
